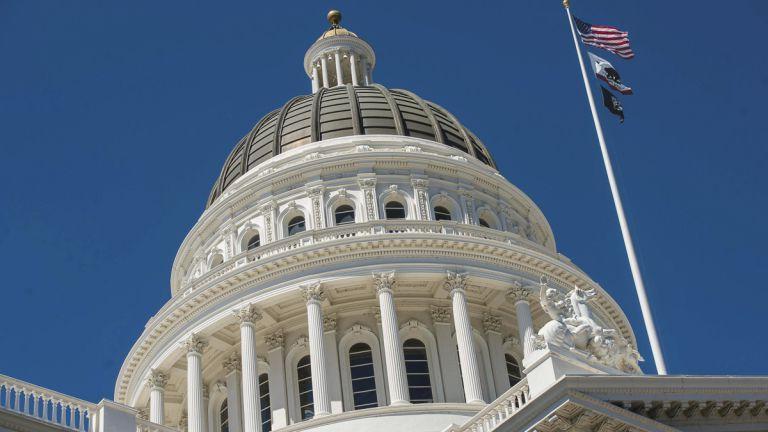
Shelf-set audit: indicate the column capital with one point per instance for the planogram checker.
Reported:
(518, 293)
(195, 344)
(440, 314)
(367, 182)
(419, 183)
(329, 322)
(232, 363)
(455, 282)
(275, 340)
(384, 281)
(206, 393)
(248, 315)
(143, 414)
(491, 323)
(313, 292)
(157, 379)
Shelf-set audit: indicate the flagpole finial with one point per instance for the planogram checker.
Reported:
(566, 4)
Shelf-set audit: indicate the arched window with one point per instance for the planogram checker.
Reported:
(296, 225)
(394, 210)
(254, 242)
(264, 405)
(417, 371)
(304, 379)
(363, 379)
(216, 260)
(224, 417)
(344, 215)
(483, 222)
(442, 213)
(513, 370)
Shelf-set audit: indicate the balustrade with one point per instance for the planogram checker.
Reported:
(495, 413)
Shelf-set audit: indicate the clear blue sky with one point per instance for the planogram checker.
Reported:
(115, 119)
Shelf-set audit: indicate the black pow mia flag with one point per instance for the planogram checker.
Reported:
(613, 104)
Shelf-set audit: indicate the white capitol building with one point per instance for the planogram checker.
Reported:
(361, 265)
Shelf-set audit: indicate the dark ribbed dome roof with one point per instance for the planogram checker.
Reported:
(345, 111)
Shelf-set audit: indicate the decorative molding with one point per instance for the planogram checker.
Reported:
(491, 323)
(248, 315)
(275, 340)
(358, 328)
(455, 282)
(329, 322)
(232, 363)
(157, 379)
(301, 342)
(412, 324)
(518, 292)
(195, 344)
(313, 292)
(440, 314)
(384, 282)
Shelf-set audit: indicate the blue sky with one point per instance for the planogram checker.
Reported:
(115, 119)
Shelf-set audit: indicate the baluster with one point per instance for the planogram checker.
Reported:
(46, 415)
(4, 386)
(33, 411)
(54, 411)
(71, 409)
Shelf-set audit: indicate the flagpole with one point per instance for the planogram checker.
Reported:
(650, 328)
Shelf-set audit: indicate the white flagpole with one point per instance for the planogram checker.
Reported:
(650, 328)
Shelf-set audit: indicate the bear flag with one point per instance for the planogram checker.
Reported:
(613, 104)
(605, 71)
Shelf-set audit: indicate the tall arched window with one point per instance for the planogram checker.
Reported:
(513, 370)
(296, 225)
(483, 222)
(363, 379)
(216, 260)
(344, 214)
(254, 241)
(224, 417)
(264, 405)
(394, 210)
(442, 213)
(417, 371)
(304, 380)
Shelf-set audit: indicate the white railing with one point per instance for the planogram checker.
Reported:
(46, 405)
(372, 228)
(495, 413)
(147, 426)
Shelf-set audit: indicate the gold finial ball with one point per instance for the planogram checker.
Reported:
(334, 17)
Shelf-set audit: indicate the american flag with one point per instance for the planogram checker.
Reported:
(605, 37)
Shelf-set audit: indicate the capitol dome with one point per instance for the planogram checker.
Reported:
(345, 111)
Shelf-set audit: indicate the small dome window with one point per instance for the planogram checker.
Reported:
(296, 225)
(483, 222)
(254, 242)
(394, 210)
(344, 214)
(442, 213)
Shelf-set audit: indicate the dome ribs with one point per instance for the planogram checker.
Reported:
(315, 115)
(357, 124)
(459, 127)
(439, 136)
(279, 125)
(394, 108)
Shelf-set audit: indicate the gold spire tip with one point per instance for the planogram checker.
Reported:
(334, 17)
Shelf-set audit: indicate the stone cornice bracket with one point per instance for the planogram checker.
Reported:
(491, 323)
(313, 292)
(248, 315)
(275, 340)
(455, 282)
(518, 293)
(384, 282)
(440, 314)
(195, 344)
(232, 363)
(157, 379)
(329, 323)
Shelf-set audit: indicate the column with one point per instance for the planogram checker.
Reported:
(195, 408)
(367, 70)
(339, 72)
(467, 206)
(397, 382)
(324, 66)
(422, 199)
(492, 327)
(520, 297)
(249, 363)
(232, 368)
(277, 395)
(315, 83)
(156, 382)
(268, 210)
(456, 284)
(368, 186)
(314, 294)
(446, 349)
(332, 362)
(353, 68)
(206, 400)
(317, 195)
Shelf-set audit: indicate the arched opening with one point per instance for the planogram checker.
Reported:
(417, 371)
(484, 223)
(363, 377)
(296, 225)
(264, 404)
(513, 370)
(224, 417)
(344, 214)
(254, 242)
(442, 213)
(216, 260)
(304, 380)
(394, 210)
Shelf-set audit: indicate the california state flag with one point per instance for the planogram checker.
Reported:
(605, 71)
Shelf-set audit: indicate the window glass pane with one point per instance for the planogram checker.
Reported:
(442, 213)
(362, 372)
(344, 214)
(513, 369)
(224, 417)
(417, 371)
(296, 225)
(264, 403)
(483, 222)
(304, 375)
(254, 242)
(394, 210)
